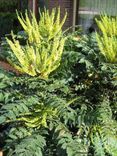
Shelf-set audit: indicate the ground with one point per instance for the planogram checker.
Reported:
(7, 67)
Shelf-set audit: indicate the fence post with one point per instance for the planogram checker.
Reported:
(1, 153)
(32, 5)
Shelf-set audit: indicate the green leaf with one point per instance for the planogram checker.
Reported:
(1, 97)
(2, 119)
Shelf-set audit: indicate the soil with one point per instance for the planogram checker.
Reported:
(8, 67)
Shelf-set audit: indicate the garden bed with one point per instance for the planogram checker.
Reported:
(65, 103)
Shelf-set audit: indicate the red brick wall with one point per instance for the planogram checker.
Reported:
(64, 5)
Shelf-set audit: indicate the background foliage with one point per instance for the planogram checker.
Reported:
(8, 18)
(6, 5)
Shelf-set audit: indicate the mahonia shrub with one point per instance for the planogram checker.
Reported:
(44, 47)
(107, 40)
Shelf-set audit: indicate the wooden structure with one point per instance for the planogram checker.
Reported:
(80, 12)
(1, 153)
(89, 9)
(65, 5)
(33, 6)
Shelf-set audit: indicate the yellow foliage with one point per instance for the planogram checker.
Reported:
(107, 25)
(107, 40)
(43, 51)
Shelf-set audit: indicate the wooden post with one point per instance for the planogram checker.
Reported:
(19, 5)
(1, 153)
(32, 5)
(74, 14)
(77, 11)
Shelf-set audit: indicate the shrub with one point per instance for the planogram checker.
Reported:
(107, 41)
(43, 51)
(7, 5)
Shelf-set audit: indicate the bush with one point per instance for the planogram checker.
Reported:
(43, 50)
(107, 41)
(7, 5)
(7, 21)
